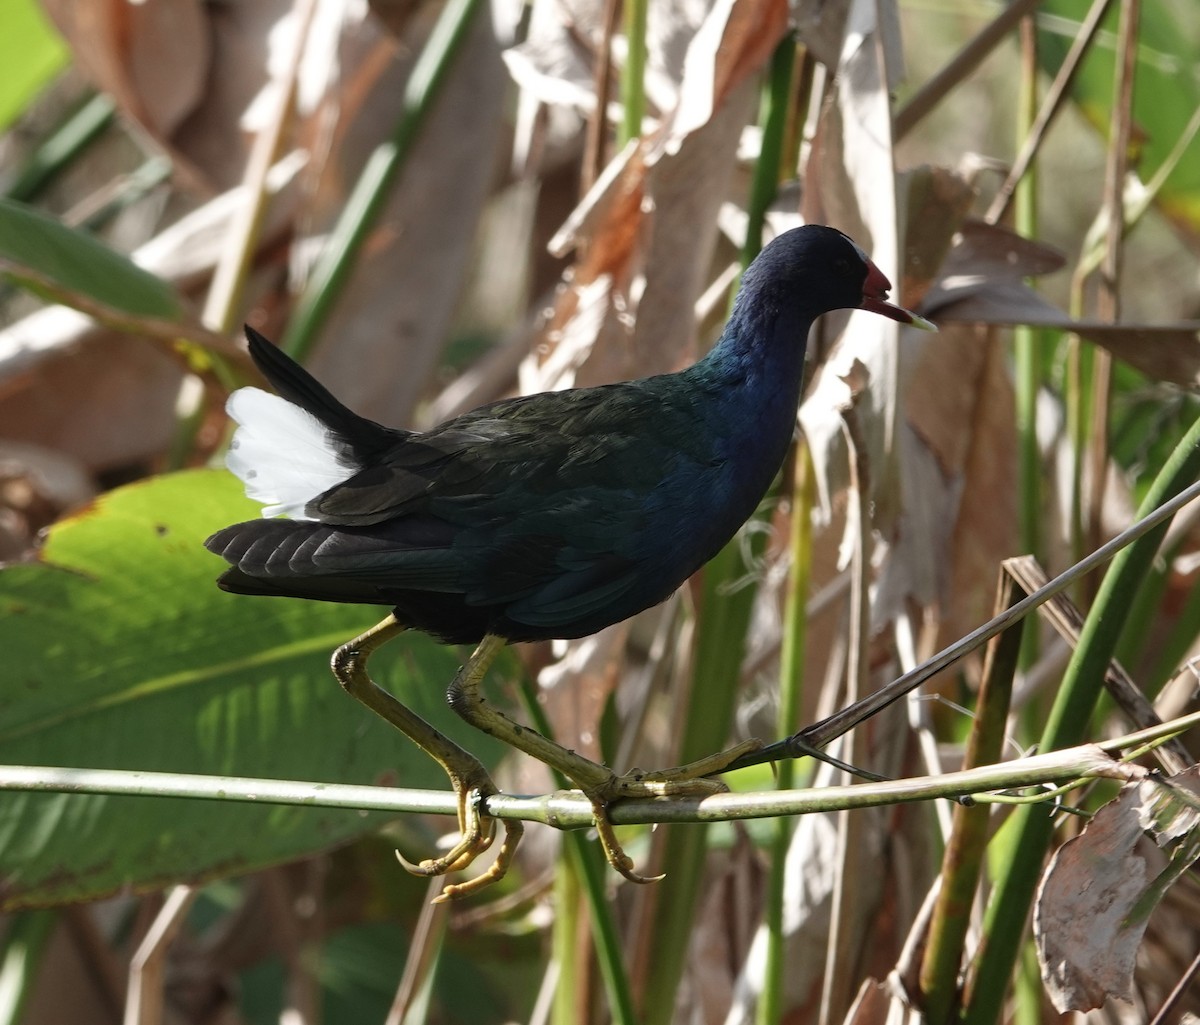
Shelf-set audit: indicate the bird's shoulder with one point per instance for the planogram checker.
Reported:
(578, 426)
(613, 436)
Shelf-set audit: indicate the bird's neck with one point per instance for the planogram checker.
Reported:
(752, 382)
(760, 353)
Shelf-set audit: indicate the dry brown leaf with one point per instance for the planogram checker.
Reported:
(918, 557)
(725, 924)
(983, 281)
(153, 59)
(105, 398)
(852, 185)
(395, 15)
(187, 72)
(593, 308)
(554, 70)
(576, 688)
(604, 222)
(37, 485)
(590, 319)
(852, 177)
(397, 306)
(654, 211)
(686, 190)
(931, 480)
(250, 39)
(1101, 886)
(821, 27)
(671, 27)
(868, 207)
(993, 252)
(109, 403)
(734, 42)
(959, 402)
(936, 202)
(1163, 352)
(821, 424)
(553, 63)
(648, 232)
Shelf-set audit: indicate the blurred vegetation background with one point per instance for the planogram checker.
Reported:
(434, 204)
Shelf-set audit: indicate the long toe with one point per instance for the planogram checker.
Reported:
(513, 831)
(614, 853)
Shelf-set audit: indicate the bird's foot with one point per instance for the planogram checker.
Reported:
(471, 781)
(476, 833)
(688, 780)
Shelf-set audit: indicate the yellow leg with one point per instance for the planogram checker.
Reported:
(599, 783)
(470, 779)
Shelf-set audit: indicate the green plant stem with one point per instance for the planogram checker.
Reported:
(1178, 643)
(802, 83)
(26, 937)
(1146, 610)
(791, 673)
(962, 862)
(773, 117)
(1080, 359)
(565, 937)
(585, 864)
(1026, 351)
(589, 867)
(1026, 346)
(724, 618)
(1027, 340)
(720, 646)
(633, 78)
(131, 189)
(1032, 826)
(572, 811)
(371, 190)
(1028, 990)
(411, 1002)
(66, 143)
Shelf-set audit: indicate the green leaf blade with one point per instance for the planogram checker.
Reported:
(78, 270)
(124, 654)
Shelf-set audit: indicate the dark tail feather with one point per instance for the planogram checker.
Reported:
(269, 557)
(364, 437)
(267, 548)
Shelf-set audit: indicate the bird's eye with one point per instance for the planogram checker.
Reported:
(841, 265)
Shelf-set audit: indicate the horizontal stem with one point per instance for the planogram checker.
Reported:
(569, 809)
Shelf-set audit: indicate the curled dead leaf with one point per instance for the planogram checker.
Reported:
(1101, 886)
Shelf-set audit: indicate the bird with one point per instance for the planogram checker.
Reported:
(547, 516)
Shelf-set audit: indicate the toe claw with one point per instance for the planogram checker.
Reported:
(456, 860)
(411, 867)
(621, 862)
(635, 877)
(691, 780)
(513, 830)
(476, 835)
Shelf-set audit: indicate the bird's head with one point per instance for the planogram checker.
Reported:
(823, 270)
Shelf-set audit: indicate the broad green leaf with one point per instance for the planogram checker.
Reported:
(30, 53)
(78, 270)
(120, 652)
